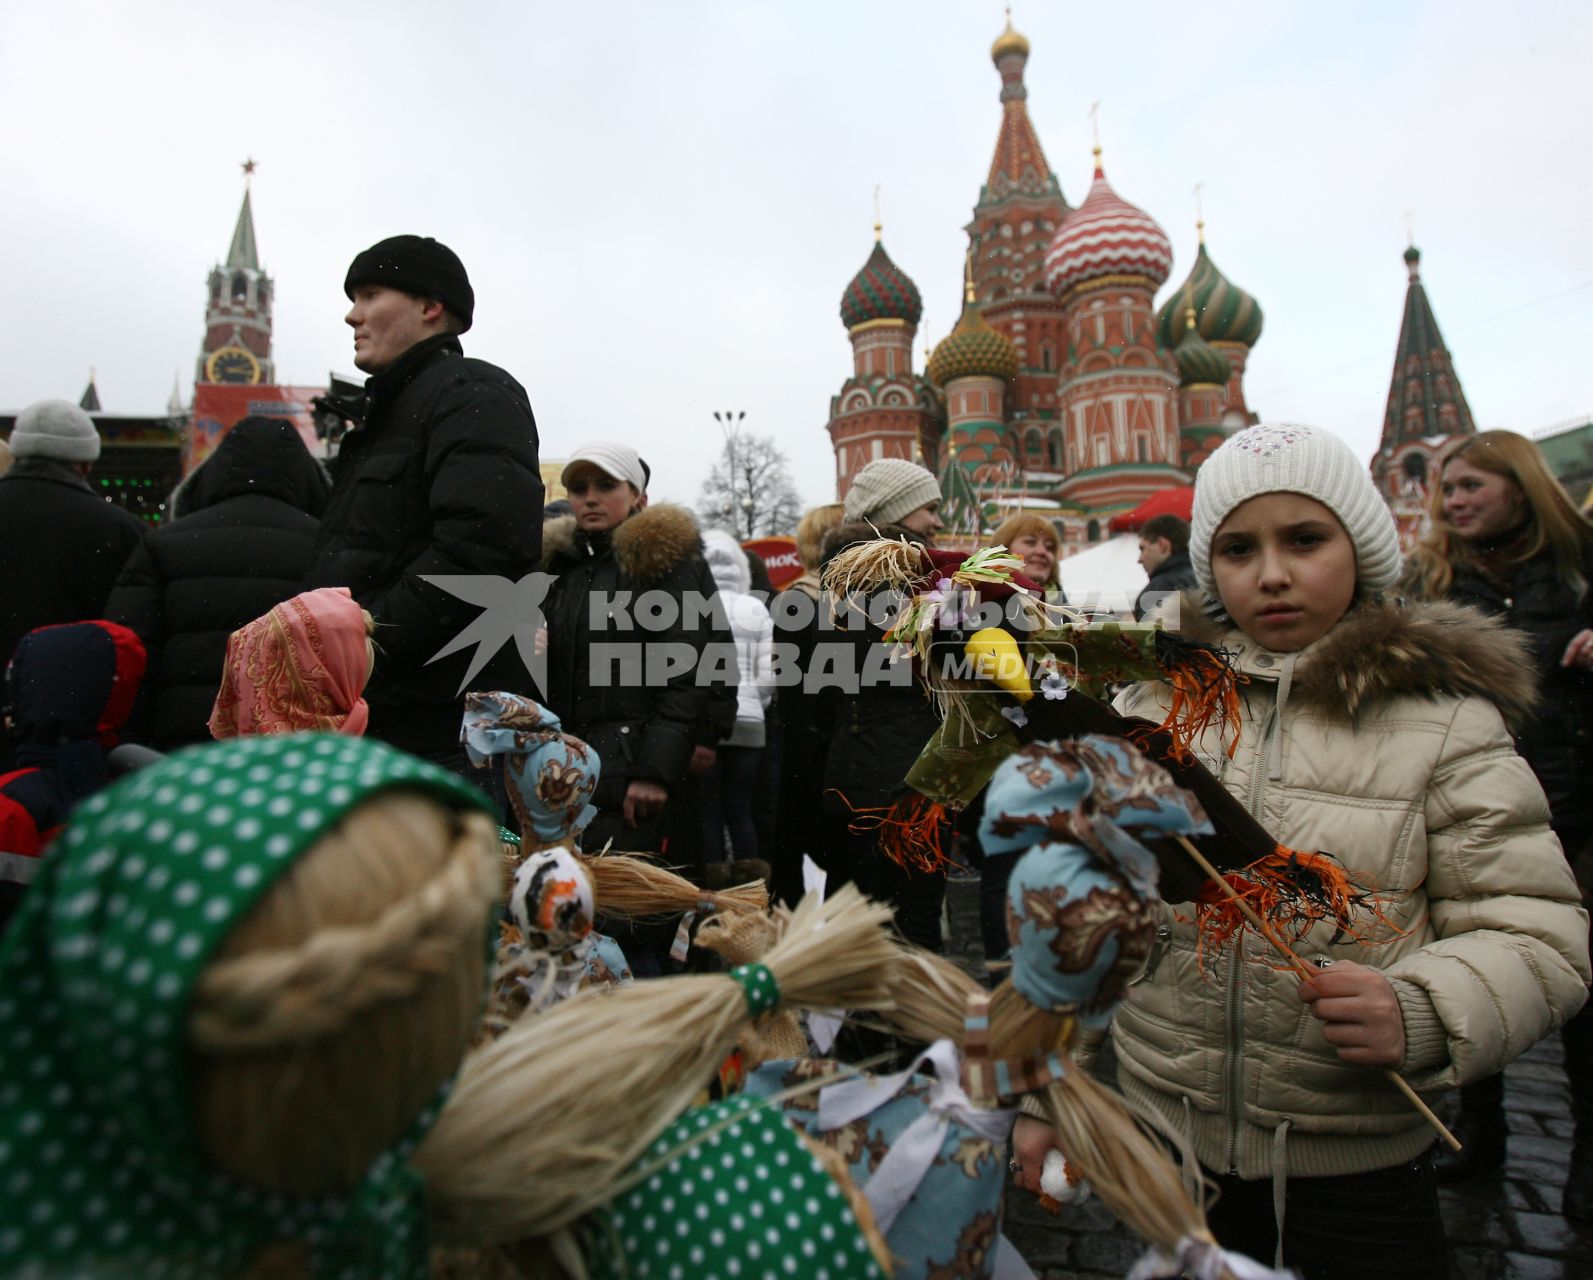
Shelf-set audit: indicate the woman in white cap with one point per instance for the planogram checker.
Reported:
(630, 669)
(1378, 732)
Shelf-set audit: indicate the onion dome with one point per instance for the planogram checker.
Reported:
(880, 291)
(1198, 360)
(1226, 312)
(1009, 41)
(972, 350)
(1106, 236)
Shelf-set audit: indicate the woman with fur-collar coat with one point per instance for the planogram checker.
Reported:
(624, 676)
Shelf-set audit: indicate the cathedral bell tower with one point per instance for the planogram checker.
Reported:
(237, 345)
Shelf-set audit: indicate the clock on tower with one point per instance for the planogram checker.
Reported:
(232, 364)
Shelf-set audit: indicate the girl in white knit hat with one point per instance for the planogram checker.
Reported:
(1376, 732)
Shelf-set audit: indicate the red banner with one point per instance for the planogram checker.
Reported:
(781, 558)
(219, 405)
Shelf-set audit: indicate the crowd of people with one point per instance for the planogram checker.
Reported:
(1428, 720)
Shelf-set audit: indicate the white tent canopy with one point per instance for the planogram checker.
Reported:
(1107, 577)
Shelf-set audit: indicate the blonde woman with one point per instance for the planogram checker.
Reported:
(1506, 539)
(811, 531)
(1034, 538)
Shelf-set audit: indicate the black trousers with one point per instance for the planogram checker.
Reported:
(1360, 1226)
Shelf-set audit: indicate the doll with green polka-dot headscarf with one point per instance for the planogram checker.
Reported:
(231, 1007)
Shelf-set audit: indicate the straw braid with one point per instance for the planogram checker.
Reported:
(292, 997)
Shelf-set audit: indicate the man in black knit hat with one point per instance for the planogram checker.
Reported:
(440, 478)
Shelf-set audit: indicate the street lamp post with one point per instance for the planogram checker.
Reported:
(730, 423)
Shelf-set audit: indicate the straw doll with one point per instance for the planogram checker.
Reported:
(548, 946)
(301, 667)
(1081, 920)
(229, 950)
(547, 1119)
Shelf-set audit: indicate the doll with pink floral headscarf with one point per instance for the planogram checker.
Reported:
(299, 668)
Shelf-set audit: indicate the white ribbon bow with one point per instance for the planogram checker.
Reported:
(914, 1150)
(1203, 1259)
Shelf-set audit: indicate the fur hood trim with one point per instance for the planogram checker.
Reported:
(654, 541)
(558, 542)
(648, 545)
(1390, 649)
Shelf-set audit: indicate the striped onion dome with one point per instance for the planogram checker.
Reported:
(972, 350)
(880, 291)
(1226, 312)
(1106, 236)
(1198, 360)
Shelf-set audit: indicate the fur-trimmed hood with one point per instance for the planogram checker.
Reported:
(1389, 649)
(647, 546)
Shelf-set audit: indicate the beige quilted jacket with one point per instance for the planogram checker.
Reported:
(1383, 743)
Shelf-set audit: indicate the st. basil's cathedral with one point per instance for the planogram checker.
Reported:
(1063, 390)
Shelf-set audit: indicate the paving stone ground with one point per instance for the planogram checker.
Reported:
(1503, 1227)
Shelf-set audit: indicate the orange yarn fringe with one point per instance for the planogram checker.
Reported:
(1293, 892)
(1205, 693)
(911, 832)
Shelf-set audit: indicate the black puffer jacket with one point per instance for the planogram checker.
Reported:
(245, 527)
(877, 732)
(440, 480)
(1558, 740)
(644, 720)
(61, 547)
(1172, 575)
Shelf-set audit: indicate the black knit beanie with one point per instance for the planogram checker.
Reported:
(418, 265)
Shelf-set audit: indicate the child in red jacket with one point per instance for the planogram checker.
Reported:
(72, 687)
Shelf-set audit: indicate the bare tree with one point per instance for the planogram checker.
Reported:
(749, 491)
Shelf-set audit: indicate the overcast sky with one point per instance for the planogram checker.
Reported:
(659, 203)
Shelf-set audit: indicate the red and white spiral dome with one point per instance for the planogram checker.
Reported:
(1106, 236)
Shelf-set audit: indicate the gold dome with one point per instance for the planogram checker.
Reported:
(1009, 41)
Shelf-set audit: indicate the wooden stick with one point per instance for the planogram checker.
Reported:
(1308, 974)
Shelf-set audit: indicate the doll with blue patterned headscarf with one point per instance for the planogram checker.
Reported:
(548, 948)
(550, 776)
(1084, 819)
